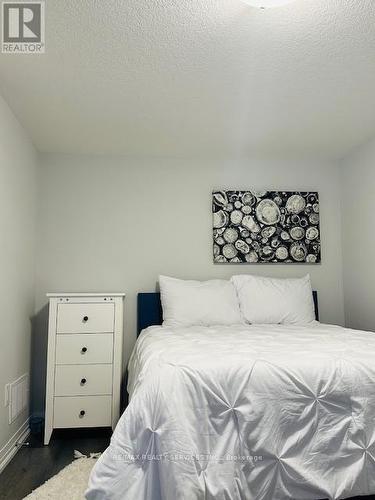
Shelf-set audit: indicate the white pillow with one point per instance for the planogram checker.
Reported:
(204, 303)
(274, 301)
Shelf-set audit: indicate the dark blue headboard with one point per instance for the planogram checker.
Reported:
(150, 313)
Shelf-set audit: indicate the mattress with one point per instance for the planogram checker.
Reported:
(244, 412)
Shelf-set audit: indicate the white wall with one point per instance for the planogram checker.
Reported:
(358, 207)
(115, 224)
(17, 257)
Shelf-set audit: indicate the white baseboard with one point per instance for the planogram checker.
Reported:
(8, 451)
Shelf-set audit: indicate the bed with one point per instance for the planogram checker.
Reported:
(243, 412)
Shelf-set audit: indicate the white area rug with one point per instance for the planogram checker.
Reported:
(70, 483)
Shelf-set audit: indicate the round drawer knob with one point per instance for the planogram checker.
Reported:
(82, 413)
(83, 381)
(85, 319)
(83, 350)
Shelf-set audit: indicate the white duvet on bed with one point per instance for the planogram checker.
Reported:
(245, 412)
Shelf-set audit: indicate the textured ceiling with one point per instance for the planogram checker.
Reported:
(198, 77)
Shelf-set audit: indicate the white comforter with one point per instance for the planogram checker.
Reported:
(257, 412)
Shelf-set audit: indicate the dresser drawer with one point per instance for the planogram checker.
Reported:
(84, 349)
(83, 380)
(85, 318)
(85, 411)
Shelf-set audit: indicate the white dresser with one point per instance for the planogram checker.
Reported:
(84, 365)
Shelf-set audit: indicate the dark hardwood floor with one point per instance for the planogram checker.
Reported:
(33, 465)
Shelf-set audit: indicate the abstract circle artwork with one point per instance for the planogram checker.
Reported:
(266, 227)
